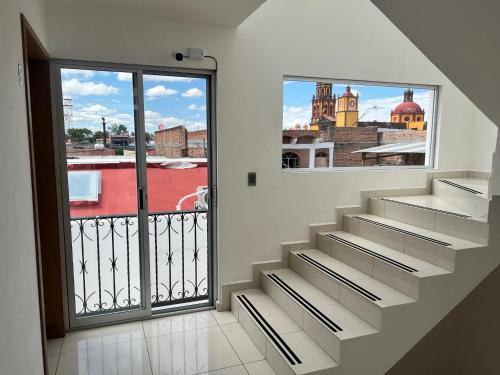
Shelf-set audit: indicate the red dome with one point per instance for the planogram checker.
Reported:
(408, 107)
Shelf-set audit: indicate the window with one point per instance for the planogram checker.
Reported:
(362, 124)
(290, 160)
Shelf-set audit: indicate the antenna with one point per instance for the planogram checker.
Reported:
(367, 111)
(68, 112)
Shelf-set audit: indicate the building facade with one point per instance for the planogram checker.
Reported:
(304, 149)
(177, 142)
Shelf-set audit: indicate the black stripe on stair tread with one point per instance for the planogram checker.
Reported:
(269, 330)
(306, 304)
(458, 186)
(422, 237)
(352, 285)
(372, 253)
(426, 208)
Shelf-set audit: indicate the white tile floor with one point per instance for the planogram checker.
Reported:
(207, 342)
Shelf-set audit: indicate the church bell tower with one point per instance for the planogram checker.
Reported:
(323, 103)
(347, 110)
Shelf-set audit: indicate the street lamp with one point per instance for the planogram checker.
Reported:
(104, 130)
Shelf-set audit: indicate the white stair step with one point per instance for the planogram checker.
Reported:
(455, 243)
(320, 316)
(360, 293)
(406, 210)
(287, 348)
(429, 202)
(468, 194)
(394, 268)
(433, 247)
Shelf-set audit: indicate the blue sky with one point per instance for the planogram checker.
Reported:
(297, 97)
(168, 100)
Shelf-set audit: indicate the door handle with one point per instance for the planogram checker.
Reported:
(140, 192)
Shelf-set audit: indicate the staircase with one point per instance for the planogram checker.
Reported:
(366, 288)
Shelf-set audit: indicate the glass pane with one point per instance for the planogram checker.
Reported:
(177, 149)
(102, 183)
(340, 124)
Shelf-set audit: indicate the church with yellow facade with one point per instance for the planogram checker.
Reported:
(409, 112)
(329, 111)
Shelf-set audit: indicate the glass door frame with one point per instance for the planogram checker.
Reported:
(138, 71)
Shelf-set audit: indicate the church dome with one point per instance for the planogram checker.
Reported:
(408, 107)
(348, 91)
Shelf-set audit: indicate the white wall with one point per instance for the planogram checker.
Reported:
(20, 337)
(322, 38)
(467, 55)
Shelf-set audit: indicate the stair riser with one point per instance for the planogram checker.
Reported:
(467, 229)
(383, 236)
(427, 251)
(275, 360)
(325, 338)
(358, 304)
(475, 205)
(398, 279)
(277, 363)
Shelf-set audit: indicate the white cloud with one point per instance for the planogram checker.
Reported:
(155, 78)
(122, 76)
(159, 90)
(96, 108)
(154, 119)
(89, 116)
(75, 87)
(124, 117)
(192, 93)
(84, 74)
(293, 115)
(194, 107)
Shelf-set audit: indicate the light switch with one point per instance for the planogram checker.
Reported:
(252, 179)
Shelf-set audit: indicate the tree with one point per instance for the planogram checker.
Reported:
(80, 134)
(148, 136)
(99, 135)
(118, 129)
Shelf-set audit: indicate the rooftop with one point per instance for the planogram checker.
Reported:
(397, 148)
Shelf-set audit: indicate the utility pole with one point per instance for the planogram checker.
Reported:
(104, 130)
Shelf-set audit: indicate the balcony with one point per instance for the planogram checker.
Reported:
(106, 263)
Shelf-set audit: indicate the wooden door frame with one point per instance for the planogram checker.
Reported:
(35, 55)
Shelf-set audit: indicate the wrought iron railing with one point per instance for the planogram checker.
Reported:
(106, 262)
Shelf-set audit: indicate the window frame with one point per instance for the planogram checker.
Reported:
(432, 122)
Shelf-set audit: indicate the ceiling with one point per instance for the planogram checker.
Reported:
(228, 13)
(461, 37)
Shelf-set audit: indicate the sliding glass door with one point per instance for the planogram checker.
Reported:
(136, 177)
(176, 118)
